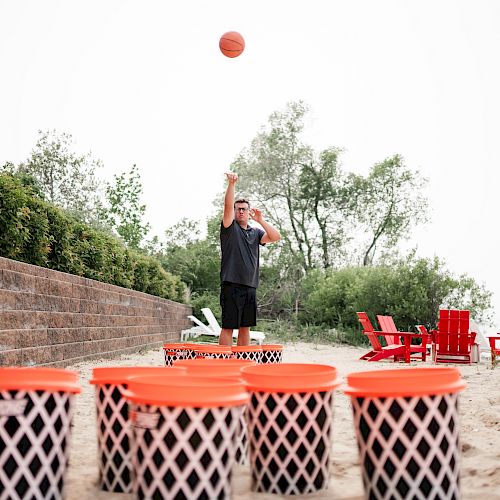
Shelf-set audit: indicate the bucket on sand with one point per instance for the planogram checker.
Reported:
(226, 368)
(213, 351)
(272, 353)
(173, 352)
(184, 435)
(113, 426)
(290, 418)
(35, 419)
(214, 367)
(406, 424)
(250, 352)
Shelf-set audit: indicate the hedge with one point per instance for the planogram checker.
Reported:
(37, 232)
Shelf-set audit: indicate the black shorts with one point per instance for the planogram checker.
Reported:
(239, 305)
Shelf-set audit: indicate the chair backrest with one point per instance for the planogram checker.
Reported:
(453, 321)
(212, 320)
(422, 329)
(459, 344)
(206, 329)
(387, 325)
(453, 335)
(426, 335)
(495, 343)
(369, 331)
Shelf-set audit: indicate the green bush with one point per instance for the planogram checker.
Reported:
(411, 290)
(37, 232)
(23, 223)
(62, 256)
(206, 299)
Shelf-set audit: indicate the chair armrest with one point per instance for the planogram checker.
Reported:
(380, 334)
(433, 334)
(492, 340)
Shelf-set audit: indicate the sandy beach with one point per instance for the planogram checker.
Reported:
(479, 420)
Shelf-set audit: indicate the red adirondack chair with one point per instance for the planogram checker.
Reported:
(431, 336)
(453, 340)
(378, 352)
(495, 348)
(387, 325)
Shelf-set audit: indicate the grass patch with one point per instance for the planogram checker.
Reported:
(288, 331)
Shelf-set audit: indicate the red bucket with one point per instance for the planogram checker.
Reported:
(113, 425)
(35, 420)
(227, 368)
(272, 353)
(406, 424)
(184, 435)
(290, 417)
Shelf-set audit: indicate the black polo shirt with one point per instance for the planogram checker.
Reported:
(240, 254)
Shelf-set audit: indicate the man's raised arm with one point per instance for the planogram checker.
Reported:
(229, 199)
(272, 234)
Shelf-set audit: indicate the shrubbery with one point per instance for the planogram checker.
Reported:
(411, 290)
(37, 232)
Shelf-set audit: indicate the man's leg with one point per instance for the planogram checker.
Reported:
(227, 306)
(226, 336)
(249, 316)
(244, 335)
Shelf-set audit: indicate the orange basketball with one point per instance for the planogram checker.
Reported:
(231, 44)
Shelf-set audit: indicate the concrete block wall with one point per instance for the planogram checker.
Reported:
(53, 318)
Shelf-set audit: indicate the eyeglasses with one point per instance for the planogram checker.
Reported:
(241, 209)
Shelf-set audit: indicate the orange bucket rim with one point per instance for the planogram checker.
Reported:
(195, 392)
(210, 362)
(213, 349)
(174, 346)
(193, 345)
(246, 348)
(187, 380)
(232, 370)
(291, 377)
(120, 374)
(406, 382)
(272, 347)
(15, 378)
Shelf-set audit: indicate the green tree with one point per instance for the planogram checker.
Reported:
(125, 212)
(65, 178)
(331, 198)
(320, 209)
(196, 260)
(270, 169)
(391, 203)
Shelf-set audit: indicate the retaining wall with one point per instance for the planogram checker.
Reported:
(53, 318)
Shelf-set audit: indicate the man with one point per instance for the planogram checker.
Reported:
(240, 264)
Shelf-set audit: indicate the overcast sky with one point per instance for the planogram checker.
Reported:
(144, 82)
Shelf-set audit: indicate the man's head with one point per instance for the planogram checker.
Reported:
(242, 211)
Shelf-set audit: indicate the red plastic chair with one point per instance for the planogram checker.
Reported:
(387, 325)
(495, 348)
(379, 352)
(453, 341)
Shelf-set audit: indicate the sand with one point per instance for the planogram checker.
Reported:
(479, 414)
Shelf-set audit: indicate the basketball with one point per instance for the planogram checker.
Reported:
(231, 44)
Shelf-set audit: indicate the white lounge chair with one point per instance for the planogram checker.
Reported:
(195, 331)
(259, 337)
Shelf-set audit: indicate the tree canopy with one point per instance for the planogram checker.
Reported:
(327, 216)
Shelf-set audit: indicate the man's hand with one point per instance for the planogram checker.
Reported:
(271, 234)
(256, 215)
(231, 177)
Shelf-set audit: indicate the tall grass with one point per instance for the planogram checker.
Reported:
(289, 331)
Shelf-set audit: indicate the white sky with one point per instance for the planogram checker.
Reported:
(144, 82)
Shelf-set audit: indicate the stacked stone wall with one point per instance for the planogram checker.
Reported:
(53, 318)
